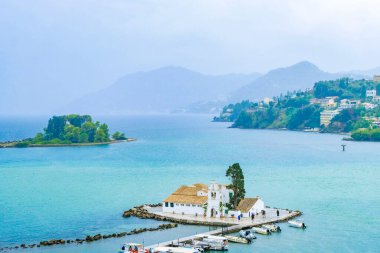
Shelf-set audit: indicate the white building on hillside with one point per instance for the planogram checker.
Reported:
(327, 102)
(347, 104)
(210, 201)
(327, 116)
(371, 93)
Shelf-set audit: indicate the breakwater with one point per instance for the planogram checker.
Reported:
(89, 238)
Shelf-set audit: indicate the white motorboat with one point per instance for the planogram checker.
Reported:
(297, 224)
(176, 250)
(247, 234)
(132, 248)
(211, 242)
(237, 239)
(272, 227)
(261, 231)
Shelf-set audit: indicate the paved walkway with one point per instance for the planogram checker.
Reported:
(270, 216)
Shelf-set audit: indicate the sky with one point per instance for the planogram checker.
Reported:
(52, 52)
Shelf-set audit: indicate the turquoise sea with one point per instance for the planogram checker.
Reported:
(70, 192)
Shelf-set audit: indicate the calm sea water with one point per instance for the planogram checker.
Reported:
(74, 191)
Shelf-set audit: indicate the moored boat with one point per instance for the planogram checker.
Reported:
(211, 242)
(297, 224)
(247, 234)
(261, 231)
(132, 248)
(272, 227)
(237, 239)
(176, 250)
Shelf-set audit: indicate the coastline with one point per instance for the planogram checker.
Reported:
(353, 140)
(291, 130)
(12, 144)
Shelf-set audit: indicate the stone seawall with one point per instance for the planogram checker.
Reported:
(89, 238)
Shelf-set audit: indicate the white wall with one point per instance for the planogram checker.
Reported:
(222, 195)
(256, 208)
(236, 213)
(183, 208)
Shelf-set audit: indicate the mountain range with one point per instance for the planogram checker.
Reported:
(162, 90)
(299, 76)
(177, 89)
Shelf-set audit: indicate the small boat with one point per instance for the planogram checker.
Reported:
(261, 231)
(247, 234)
(272, 227)
(237, 239)
(176, 250)
(132, 248)
(200, 245)
(296, 224)
(211, 242)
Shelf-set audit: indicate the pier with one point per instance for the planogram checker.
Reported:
(219, 231)
(228, 224)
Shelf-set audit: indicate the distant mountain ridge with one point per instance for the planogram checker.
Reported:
(299, 76)
(164, 90)
(363, 73)
(176, 89)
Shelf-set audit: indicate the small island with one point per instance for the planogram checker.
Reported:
(70, 130)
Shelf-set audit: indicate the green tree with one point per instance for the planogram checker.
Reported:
(244, 120)
(83, 137)
(307, 116)
(100, 136)
(56, 127)
(236, 176)
(89, 128)
(118, 136)
(361, 123)
(375, 134)
(39, 138)
(361, 135)
(105, 129)
(78, 120)
(72, 133)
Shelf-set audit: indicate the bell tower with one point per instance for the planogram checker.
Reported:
(214, 199)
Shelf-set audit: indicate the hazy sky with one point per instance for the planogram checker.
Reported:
(58, 50)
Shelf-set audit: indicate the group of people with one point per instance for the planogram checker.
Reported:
(263, 213)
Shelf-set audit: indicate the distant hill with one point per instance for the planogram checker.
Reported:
(357, 74)
(300, 76)
(177, 89)
(165, 89)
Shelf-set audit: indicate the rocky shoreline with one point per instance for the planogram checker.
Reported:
(13, 144)
(89, 238)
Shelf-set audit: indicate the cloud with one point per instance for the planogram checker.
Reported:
(72, 47)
